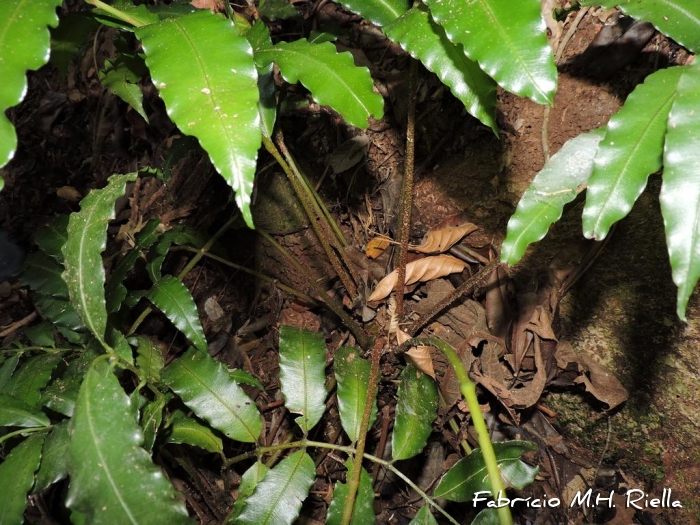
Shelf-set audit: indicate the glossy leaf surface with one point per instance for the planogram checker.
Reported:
(469, 475)
(16, 413)
(249, 481)
(416, 409)
(679, 19)
(24, 44)
(17, 478)
(507, 39)
(87, 239)
(425, 40)
(278, 497)
(121, 77)
(173, 298)
(149, 359)
(54, 458)
(209, 86)
(424, 517)
(113, 479)
(206, 387)
(352, 375)
(629, 153)
(680, 190)
(379, 12)
(332, 77)
(302, 374)
(363, 511)
(188, 431)
(557, 184)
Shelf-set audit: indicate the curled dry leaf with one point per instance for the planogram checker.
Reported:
(439, 241)
(422, 270)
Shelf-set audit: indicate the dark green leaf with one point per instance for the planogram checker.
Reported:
(557, 184)
(629, 153)
(33, 375)
(244, 378)
(507, 39)
(121, 77)
(41, 335)
(7, 369)
(149, 360)
(17, 478)
(488, 516)
(151, 419)
(302, 374)
(172, 298)
(425, 40)
(352, 375)
(59, 311)
(379, 12)
(16, 413)
(424, 517)
(67, 39)
(363, 511)
(112, 478)
(43, 274)
(416, 409)
(332, 78)
(680, 191)
(469, 476)
(190, 432)
(206, 387)
(87, 238)
(54, 458)
(210, 89)
(24, 44)
(249, 481)
(52, 237)
(278, 497)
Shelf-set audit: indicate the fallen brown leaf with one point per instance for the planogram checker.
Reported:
(376, 246)
(422, 270)
(439, 241)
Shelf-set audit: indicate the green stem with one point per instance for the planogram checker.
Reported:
(468, 389)
(350, 451)
(116, 13)
(372, 388)
(23, 431)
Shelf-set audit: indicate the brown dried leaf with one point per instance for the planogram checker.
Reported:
(422, 270)
(420, 356)
(439, 241)
(376, 246)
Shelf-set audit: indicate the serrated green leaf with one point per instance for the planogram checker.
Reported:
(189, 432)
(52, 237)
(680, 190)
(62, 394)
(31, 377)
(206, 387)
(16, 413)
(332, 78)
(507, 39)
(121, 77)
(469, 475)
(150, 359)
(424, 517)
(24, 44)
(416, 409)
(553, 187)
(115, 291)
(629, 153)
(87, 239)
(302, 374)
(7, 369)
(17, 478)
(244, 378)
(41, 335)
(679, 19)
(54, 458)
(210, 89)
(379, 12)
(43, 274)
(151, 419)
(352, 375)
(278, 497)
(363, 511)
(425, 40)
(173, 298)
(59, 311)
(113, 479)
(249, 481)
